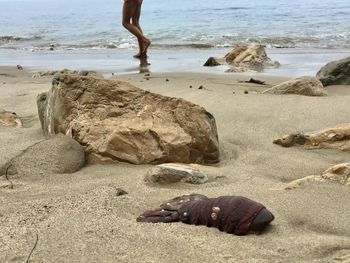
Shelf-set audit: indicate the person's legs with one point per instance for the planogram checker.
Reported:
(131, 9)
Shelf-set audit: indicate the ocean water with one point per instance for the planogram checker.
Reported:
(91, 24)
(91, 31)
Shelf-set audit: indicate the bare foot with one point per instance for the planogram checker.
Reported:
(138, 55)
(146, 44)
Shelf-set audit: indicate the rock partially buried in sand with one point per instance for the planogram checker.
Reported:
(8, 118)
(307, 86)
(57, 155)
(232, 214)
(245, 58)
(339, 173)
(116, 121)
(335, 73)
(332, 138)
(173, 173)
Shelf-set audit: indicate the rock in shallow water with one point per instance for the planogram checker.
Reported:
(245, 58)
(115, 121)
(57, 155)
(335, 73)
(307, 86)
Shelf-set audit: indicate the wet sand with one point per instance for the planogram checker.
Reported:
(79, 218)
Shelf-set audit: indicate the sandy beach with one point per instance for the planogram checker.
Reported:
(78, 217)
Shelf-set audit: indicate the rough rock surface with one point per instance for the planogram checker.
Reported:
(339, 173)
(245, 58)
(65, 71)
(116, 121)
(8, 118)
(174, 173)
(57, 155)
(335, 73)
(308, 86)
(332, 138)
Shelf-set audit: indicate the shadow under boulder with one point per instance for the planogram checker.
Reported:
(116, 121)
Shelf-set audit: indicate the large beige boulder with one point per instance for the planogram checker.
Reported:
(307, 86)
(339, 173)
(116, 121)
(333, 138)
(57, 155)
(8, 118)
(245, 58)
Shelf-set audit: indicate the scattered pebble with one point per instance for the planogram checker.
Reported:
(167, 80)
(120, 192)
(19, 67)
(234, 92)
(147, 78)
(201, 87)
(245, 92)
(191, 87)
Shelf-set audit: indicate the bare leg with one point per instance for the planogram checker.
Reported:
(136, 22)
(130, 9)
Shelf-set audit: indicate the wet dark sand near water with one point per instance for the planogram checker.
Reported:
(79, 218)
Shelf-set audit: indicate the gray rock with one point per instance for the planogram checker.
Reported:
(175, 173)
(57, 155)
(335, 73)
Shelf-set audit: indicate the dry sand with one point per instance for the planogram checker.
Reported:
(79, 218)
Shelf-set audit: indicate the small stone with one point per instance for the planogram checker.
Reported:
(201, 87)
(147, 75)
(147, 78)
(167, 80)
(120, 192)
(246, 92)
(191, 87)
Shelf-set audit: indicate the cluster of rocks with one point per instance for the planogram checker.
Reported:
(333, 138)
(111, 121)
(244, 58)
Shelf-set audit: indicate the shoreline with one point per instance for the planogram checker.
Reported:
(294, 62)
